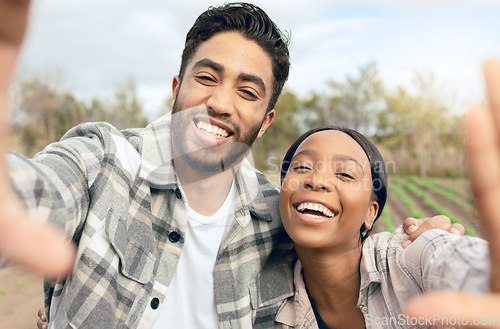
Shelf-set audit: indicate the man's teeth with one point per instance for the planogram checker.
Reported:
(211, 129)
(316, 207)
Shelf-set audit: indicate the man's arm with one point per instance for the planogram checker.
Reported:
(483, 154)
(39, 247)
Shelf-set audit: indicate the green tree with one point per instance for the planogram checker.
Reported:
(271, 147)
(419, 129)
(355, 102)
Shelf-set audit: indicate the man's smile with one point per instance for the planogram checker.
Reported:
(210, 130)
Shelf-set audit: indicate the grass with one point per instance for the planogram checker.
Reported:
(3, 291)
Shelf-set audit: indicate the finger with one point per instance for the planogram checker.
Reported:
(483, 160)
(13, 19)
(457, 229)
(410, 224)
(40, 324)
(479, 309)
(41, 314)
(441, 222)
(492, 79)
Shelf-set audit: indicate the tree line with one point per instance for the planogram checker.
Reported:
(414, 127)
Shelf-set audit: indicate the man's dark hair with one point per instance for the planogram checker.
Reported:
(252, 22)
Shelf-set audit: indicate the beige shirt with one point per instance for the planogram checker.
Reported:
(391, 275)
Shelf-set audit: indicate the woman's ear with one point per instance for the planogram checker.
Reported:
(371, 215)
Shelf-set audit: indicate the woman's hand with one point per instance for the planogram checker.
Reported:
(483, 155)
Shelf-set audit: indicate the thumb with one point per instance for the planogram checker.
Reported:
(461, 309)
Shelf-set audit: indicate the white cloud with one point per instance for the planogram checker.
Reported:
(99, 44)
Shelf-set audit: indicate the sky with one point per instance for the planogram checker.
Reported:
(97, 45)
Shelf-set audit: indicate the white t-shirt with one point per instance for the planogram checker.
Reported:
(190, 302)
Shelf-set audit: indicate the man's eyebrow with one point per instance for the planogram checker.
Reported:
(205, 62)
(253, 78)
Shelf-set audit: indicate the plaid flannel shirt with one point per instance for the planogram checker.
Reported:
(391, 275)
(117, 195)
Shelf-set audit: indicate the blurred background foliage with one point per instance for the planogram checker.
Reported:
(414, 126)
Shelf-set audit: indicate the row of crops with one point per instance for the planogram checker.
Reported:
(419, 198)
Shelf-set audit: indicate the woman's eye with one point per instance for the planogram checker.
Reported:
(300, 168)
(345, 176)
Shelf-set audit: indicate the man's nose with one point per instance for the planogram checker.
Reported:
(222, 100)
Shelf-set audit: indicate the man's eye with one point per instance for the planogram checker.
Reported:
(249, 94)
(205, 78)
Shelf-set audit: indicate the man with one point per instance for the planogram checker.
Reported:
(135, 201)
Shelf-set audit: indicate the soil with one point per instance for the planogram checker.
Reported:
(21, 295)
(467, 219)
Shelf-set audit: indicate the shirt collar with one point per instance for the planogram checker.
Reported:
(297, 310)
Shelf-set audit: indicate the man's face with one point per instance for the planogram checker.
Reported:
(220, 105)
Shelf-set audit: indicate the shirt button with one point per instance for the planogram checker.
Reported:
(364, 310)
(174, 237)
(178, 193)
(155, 302)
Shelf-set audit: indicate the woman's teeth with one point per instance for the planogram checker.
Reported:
(315, 207)
(211, 129)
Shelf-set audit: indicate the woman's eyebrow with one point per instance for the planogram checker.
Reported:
(306, 152)
(343, 157)
(338, 157)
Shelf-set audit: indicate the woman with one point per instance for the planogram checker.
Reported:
(334, 187)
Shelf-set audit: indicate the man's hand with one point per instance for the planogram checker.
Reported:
(483, 155)
(415, 227)
(22, 240)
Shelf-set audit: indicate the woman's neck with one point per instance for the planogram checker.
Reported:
(333, 282)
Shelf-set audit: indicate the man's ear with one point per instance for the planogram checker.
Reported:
(176, 83)
(267, 122)
(371, 215)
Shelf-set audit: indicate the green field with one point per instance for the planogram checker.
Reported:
(416, 197)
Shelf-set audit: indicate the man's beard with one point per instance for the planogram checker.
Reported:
(209, 158)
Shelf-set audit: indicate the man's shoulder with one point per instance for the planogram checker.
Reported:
(104, 131)
(265, 184)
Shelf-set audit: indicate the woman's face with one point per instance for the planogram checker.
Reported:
(326, 194)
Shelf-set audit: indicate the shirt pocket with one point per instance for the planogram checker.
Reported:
(267, 292)
(134, 243)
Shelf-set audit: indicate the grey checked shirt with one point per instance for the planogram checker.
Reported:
(391, 275)
(116, 194)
